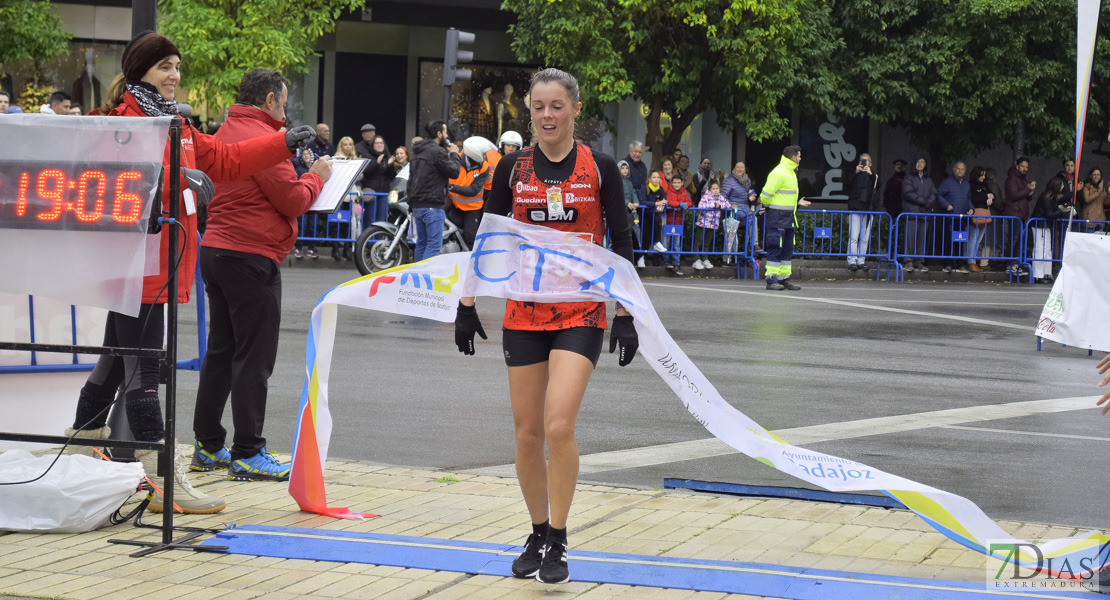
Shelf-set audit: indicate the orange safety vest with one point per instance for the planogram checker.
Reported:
(492, 158)
(466, 178)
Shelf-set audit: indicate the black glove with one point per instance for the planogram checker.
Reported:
(466, 324)
(201, 185)
(623, 332)
(298, 137)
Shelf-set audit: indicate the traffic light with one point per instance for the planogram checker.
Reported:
(452, 56)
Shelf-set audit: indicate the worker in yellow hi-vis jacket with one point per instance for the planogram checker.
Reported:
(780, 198)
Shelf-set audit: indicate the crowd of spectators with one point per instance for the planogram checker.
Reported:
(925, 236)
(661, 197)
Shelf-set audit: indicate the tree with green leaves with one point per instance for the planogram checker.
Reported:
(220, 40)
(746, 59)
(32, 33)
(963, 75)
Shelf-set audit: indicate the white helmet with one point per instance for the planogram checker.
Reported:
(512, 137)
(476, 147)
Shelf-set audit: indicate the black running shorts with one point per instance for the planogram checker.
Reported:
(523, 348)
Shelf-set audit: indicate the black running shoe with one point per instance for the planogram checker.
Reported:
(528, 564)
(554, 569)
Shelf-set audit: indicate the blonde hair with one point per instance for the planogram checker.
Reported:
(339, 147)
(116, 90)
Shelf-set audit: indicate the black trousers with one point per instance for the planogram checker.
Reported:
(468, 221)
(139, 375)
(244, 303)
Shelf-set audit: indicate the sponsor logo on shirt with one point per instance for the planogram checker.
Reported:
(521, 186)
(569, 215)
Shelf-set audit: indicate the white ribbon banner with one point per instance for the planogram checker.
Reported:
(532, 263)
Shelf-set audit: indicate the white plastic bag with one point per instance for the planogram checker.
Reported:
(78, 494)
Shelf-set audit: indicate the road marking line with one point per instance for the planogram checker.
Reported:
(1037, 433)
(812, 434)
(1026, 328)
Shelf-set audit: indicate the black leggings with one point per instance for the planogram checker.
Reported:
(144, 413)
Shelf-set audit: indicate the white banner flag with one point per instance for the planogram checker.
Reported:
(1077, 312)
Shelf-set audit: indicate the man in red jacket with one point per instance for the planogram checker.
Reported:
(252, 226)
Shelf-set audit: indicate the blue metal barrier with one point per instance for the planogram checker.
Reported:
(829, 233)
(345, 224)
(1044, 245)
(920, 236)
(192, 364)
(688, 238)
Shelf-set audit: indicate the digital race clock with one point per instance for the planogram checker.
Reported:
(92, 196)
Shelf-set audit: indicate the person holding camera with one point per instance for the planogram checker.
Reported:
(862, 185)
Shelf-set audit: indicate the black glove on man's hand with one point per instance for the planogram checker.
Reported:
(200, 184)
(466, 324)
(623, 333)
(298, 137)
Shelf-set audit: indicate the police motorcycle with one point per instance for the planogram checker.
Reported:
(387, 244)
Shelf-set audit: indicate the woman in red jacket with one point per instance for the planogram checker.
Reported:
(152, 71)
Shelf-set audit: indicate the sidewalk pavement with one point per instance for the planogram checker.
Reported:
(440, 504)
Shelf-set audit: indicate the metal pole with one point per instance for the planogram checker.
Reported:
(144, 16)
(170, 364)
(446, 102)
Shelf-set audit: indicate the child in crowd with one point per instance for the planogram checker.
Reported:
(654, 203)
(633, 204)
(678, 200)
(707, 223)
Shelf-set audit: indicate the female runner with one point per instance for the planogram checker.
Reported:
(551, 349)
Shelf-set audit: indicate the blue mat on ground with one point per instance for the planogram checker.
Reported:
(482, 558)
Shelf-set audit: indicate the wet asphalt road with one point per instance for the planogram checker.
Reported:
(402, 394)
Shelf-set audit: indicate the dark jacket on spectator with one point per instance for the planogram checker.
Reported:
(999, 204)
(862, 190)
(738, 193)
(979, 191)
(892, 194)
(431, 168)
(1048, 207)
(955, 193)
(378, 175)
(1017, 195)
(638, 175)
(919, 193)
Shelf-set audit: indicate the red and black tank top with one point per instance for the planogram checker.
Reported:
(581, 213)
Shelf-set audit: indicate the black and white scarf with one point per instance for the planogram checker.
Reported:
(152, 103)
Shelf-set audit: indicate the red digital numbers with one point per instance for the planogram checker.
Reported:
(97, 194)
(121, 197)
(21, 198)
(55, 193)
(80, 207)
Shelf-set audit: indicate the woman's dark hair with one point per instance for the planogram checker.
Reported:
(977, 172)
(1055, 188)
(1091, 173)
(257, 84)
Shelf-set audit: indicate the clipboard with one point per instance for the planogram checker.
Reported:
(344, 173)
